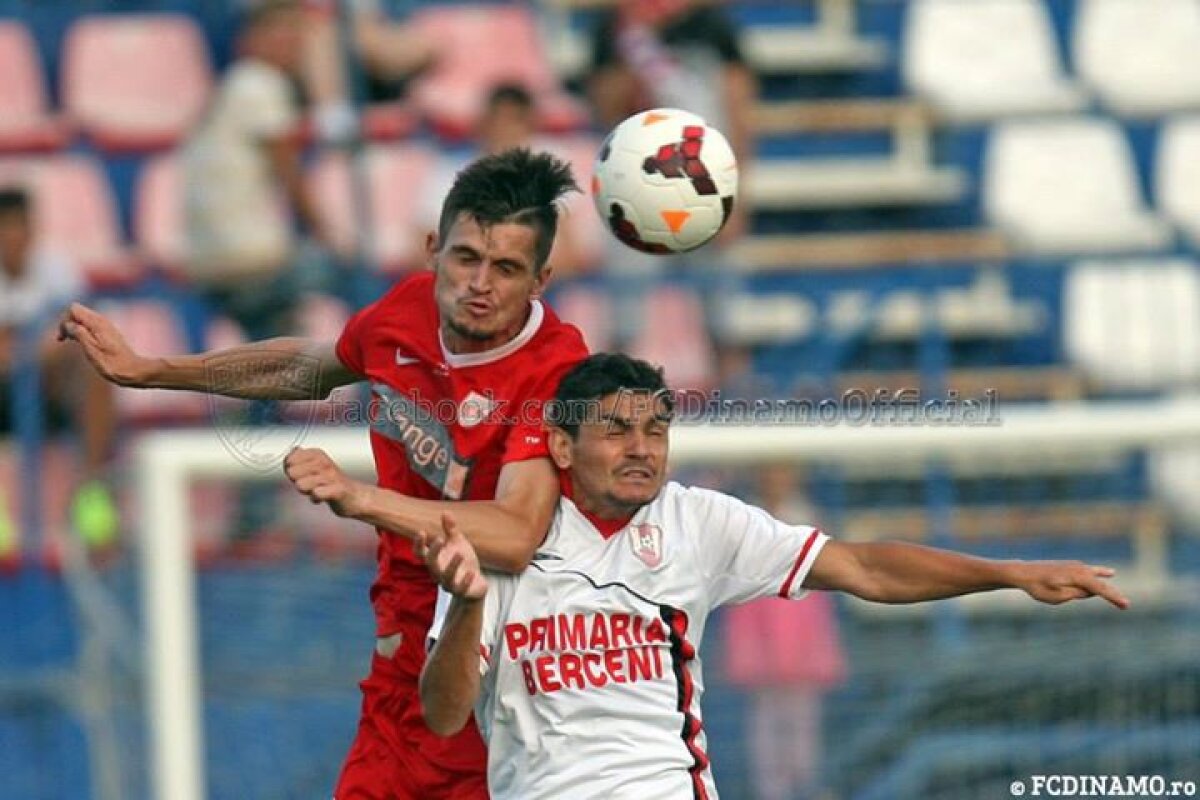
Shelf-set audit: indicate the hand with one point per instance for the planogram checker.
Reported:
(104, 346)
(315, 475)
(452, 561)
(1057, 582)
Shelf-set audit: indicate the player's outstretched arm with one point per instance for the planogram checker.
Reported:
(894, 572)
(449, 683)
(505, 532)
(286, 368)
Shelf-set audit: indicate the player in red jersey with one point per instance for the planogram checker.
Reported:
(459, 360)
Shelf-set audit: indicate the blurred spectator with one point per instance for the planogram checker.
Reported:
(390, 53)
(509, 120)
(786, 655)
(242, 172)
(35, 286)
(677, 54)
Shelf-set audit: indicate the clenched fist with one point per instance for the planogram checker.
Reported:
(316, 475)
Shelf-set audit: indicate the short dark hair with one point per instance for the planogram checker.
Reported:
(580, 391)
(514, 186)
(14, 200)
(513, 93)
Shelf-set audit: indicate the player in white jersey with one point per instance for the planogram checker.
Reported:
(589, 683)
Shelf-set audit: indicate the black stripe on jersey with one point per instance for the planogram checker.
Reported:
(588, 578)
(682, 653)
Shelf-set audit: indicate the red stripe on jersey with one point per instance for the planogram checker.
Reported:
(682, 652)
(786, 590)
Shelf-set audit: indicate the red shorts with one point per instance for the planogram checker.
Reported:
(395, 757)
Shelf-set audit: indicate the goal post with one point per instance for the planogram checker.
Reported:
(166, 461)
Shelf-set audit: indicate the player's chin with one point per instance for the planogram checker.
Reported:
(636, 491)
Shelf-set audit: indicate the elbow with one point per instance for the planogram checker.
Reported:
(443, 722)
(442, 719)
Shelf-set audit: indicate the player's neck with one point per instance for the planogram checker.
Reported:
(606, 520)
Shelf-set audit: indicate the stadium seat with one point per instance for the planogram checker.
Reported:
(1068, 185)
(158, 212)
(397, 173)
(25, 121)
(154, 328)
(1177, 174)
(676, 337)
(580, 217)
(590, 310)
(1134, 325)
(480, 47)
(1140, 56)
(135, 82)
(983, 59)
(77, 215)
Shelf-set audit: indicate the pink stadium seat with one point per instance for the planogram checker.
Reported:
(483, 46)
(25, 121)
(135, 82)
(586, 227)
(154, 328)
(397, 174)
(158, 212)
(675, 337)
(77, 214)
(590, 310)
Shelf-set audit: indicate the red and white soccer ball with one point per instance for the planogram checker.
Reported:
(665, 181)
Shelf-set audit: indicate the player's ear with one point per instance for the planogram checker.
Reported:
(559, 443)
(431, 250)
(540, 278)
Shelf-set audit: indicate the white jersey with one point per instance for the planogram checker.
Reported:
(591, 675)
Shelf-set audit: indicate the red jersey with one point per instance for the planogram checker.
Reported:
(443, 424)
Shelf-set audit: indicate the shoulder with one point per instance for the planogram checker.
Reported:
(705, 505)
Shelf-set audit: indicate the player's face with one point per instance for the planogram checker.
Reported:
(618, 461)
(486, 278)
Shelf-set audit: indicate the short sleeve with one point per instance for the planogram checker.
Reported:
(263, 101)
(746, 553)
(527, 437)
(349, 347)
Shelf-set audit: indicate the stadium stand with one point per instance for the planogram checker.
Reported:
(396, 177)
(135, 82)
(26, 124)
(955, 59)
(1136, 56)
(1177, 174)
(484, 46)
(78, 214)
(1068, 185)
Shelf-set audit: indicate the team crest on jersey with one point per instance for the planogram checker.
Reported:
(474, 409)
(647, 544)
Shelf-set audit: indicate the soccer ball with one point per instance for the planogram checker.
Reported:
(665, 181)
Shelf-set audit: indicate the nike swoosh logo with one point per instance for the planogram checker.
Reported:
(403, 360)
(546, 557)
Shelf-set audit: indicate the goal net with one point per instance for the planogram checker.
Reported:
(251, 667)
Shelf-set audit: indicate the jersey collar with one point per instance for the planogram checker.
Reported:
(459, 360)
